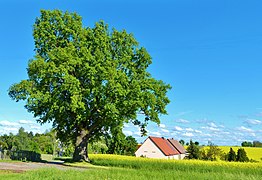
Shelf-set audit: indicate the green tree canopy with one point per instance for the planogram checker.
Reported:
(88, 80)
(257, 144)
(193, 151)
(231, 155)
(118, 143)
(182, 142)
(213, 152)
(242, 155)
(246, 144)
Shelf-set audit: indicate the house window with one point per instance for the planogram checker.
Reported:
(145, 151)
(153, 151)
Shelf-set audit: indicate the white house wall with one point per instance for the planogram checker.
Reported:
(177, 157)
(182, 156)
(150, 150)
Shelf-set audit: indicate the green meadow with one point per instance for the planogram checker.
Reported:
(126, 167)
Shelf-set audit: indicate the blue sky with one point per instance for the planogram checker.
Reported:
(210, 52)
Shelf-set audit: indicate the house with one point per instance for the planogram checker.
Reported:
(156, 147)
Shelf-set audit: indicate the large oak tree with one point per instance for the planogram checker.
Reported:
(88, 81)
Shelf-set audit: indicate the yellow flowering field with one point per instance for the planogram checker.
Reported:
(252, 152)
(129, 168)
(131, 160)
(186, 168)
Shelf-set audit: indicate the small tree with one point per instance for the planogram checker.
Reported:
(118, 143)
(99, 147)
(203, 154)
(193, 150)
(231, 156)
(242, 155)
(131, 145)
(197, 143)
(182, 142)
(212, 153)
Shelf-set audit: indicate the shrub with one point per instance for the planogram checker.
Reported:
(231, 155)
(242, 155)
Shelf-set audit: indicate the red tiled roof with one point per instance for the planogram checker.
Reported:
(164, 145)
(177, 145)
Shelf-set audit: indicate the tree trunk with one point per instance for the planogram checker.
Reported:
(81, 151)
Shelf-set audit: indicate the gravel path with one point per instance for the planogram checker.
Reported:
(24, 166)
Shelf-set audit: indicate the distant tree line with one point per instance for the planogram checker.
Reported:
(114, 143)
(40, 143)
(47, 143)
(251, 144)
(187, 143)
(212, 152)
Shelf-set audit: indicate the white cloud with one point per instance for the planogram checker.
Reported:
(137, 133)
(156, 133)
(253, 122)
(226, 133)
(252, 134)
(205, 135)
(7, 130)
(162, 125)
(237, 134)
(165, 130)
(35, 127)
(202, 121)
(188, 134)
(189, 129)
(175, 133)
(8, 123)
(214, 129)
(208, 135)
(197, 131)
(244, 129)
(11, 129)
(126, 125)
(184, 121)
(178, 128)
(211, 128)
(26, 122)
(211, 124)
(128, 133)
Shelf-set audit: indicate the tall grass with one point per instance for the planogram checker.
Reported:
(124, 174)
(185, 166)
(125, 167)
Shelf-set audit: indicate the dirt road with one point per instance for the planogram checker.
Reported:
(24, 166)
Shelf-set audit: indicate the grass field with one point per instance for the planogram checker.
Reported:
(124, 167)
